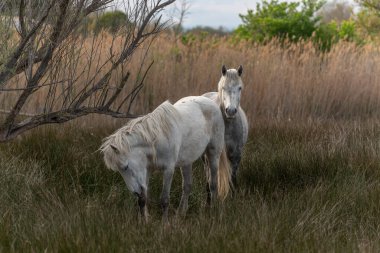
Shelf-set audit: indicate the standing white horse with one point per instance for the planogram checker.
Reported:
(236, 125)
(171, 136)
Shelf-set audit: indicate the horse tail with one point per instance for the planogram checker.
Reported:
(224, 175)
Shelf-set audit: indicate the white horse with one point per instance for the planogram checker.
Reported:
(171, 136)
(235, 120)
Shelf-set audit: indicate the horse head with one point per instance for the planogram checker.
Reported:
(130, 160)
(133, 168)
(229, 89)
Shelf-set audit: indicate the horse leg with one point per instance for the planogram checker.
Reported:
(235, 161)
(142, 201)
(165, 194)
(186, 188)
(144, 212)
(235, 167)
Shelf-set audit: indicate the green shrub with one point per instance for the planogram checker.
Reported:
(294, 21)
(288, 21)
(326, 35)
(111, 21)
(347, 30)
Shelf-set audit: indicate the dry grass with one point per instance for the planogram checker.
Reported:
(296, 82)
(293, 82)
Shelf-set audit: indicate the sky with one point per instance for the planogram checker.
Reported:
(217, 13)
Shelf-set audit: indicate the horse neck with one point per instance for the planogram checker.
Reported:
(219, 98)
(149, 149)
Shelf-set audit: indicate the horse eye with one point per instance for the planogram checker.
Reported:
(125, 168)
(239, 88)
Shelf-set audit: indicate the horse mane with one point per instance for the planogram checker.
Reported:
(156, 124)
(231, 75)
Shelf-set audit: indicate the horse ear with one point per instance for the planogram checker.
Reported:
(115, 149)
(240, 70)
(224, 70)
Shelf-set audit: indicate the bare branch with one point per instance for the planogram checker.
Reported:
(118, 90)
(132, 95)
(22, 19)
(41, 68)
(11, 64)
(126, 52)
(60, 117)
(68, 70)
(183, 11)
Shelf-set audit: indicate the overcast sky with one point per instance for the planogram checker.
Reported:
(217, 13)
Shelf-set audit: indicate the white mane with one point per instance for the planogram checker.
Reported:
(155, 124)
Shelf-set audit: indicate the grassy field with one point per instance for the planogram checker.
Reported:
(311, 186)
(309, 179)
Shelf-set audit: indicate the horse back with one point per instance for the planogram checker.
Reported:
(199, 112)
(213, 96)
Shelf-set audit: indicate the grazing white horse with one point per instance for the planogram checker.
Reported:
(236, 124)
(171, 136)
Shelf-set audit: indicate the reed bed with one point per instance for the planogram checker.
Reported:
(289, 82)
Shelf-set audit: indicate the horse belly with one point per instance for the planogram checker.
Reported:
(194, 142)
(190, 152)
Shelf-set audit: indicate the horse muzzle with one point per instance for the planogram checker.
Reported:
(230, 112)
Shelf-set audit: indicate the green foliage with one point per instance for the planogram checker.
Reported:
(221, 31)
(347, 30)
(283, 20)
(326, 36)
(188, 39)
(111, 21)
(294, 21)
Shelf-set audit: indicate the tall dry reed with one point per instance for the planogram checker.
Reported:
(291, 82)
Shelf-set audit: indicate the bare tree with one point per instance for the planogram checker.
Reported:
(181, 10)
(46, 51)
(337, 11)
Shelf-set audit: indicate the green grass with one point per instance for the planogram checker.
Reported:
(304, 187)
